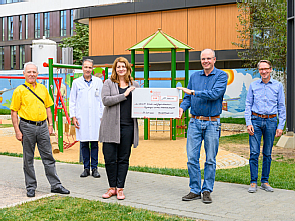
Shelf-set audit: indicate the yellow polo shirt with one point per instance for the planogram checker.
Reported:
(28, 105)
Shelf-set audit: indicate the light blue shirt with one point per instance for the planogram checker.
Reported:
(266, 99)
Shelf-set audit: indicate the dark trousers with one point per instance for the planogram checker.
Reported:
(87, 153)
(116, 157)
(39, 135)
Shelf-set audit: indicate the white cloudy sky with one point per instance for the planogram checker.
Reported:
(234, 89)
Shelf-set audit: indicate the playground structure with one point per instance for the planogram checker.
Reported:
(57, 109)
(160, 41)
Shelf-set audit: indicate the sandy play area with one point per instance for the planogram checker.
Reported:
(159, 151)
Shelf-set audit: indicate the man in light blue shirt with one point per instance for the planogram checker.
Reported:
(265, 99)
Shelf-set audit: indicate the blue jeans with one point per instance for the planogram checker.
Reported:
(86, 154)
(266, 127)
(209, 131)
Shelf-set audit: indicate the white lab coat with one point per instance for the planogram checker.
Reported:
(86, 105)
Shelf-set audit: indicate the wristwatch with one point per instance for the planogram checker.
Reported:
(192, 92)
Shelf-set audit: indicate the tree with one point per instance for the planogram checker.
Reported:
(242, 101)
(262, 32)
(79, 42)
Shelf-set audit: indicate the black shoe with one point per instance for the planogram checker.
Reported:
(206, 197)
(85, 173)
(30, 193)
(95, 173)
(191, 196)
(60, 190)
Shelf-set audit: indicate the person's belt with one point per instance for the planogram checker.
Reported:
(37, 123)
(206, 118)
(264, 115)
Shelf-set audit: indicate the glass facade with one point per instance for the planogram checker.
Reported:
(37, 25)
(46, 24)
(27, 27)
(72, 22)
(2, 2)
(1, 58)
(20, 27)
(63, 23)
(13, 57)
(10, 28)
(21, 56)
(3, 30)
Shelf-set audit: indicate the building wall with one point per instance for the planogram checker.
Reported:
(203, 27)
(28, 9)
(33, 6)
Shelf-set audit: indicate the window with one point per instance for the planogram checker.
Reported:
(10, 28)
(3, 30)
(13, 57)
(20, 27)
(1, 58)
(3, 2)
(46, 24)
(37, 25)
(21, 56)
(63, 23)
(72, 22)
(27, 27)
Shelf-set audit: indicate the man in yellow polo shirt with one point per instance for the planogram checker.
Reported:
(32, 103)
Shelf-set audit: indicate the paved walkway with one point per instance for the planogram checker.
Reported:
(153, 192)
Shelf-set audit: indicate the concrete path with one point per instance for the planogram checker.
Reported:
(153, 192)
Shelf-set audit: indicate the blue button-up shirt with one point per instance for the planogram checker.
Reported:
(209, 91)
(88, 82)
(266, 99)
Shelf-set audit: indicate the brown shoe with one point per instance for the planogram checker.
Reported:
(111, 192)
(206, 197)
(191, 196)
(120, 194)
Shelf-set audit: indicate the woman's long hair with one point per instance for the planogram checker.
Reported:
(115, 77)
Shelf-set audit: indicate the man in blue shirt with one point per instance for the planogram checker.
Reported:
(265, 99)
(204, 96)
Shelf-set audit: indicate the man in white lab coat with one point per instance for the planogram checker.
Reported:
(86, 110)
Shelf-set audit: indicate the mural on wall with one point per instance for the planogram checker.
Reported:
(7, 87)
(239, 81)
(236, 92)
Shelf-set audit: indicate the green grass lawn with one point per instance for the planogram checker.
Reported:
(5, 125)
(5, 112)
(230, 120)
(242, 138)
(69, 208)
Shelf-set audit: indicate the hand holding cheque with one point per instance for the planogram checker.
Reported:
(155, 103)
(187, 91)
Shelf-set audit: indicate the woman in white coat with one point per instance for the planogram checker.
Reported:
(86, 109)
(118, 130)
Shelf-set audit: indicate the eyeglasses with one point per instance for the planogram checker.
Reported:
(263, 69)
(208, 59)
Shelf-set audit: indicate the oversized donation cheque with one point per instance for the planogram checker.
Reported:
(155, 103)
